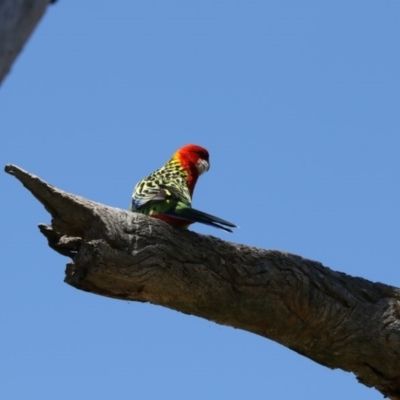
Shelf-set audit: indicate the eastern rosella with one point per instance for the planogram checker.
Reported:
(167, 193)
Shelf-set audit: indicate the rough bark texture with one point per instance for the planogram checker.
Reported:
(332, 318)
(18, 19)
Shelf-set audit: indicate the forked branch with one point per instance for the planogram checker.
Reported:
(332, 318)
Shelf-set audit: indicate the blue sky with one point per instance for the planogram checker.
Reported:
(298, 104)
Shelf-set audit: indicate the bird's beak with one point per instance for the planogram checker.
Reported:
(203, 166)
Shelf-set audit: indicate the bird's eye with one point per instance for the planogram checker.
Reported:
(202, 154)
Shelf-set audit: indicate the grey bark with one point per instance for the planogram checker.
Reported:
(18, 19)
(335, 319)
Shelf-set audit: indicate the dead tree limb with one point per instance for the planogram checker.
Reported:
(18, 19)
(332, 318)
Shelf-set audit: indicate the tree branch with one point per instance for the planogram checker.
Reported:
(332, 318)
(18, 19)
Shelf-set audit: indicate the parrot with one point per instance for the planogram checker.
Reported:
(167, 193)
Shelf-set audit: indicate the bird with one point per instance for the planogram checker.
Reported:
(167, 193)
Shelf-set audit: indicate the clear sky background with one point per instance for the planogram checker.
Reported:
(298, 104)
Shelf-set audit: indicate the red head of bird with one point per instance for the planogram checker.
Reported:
(195, 160)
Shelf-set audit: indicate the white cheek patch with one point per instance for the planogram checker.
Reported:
(202, 166)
